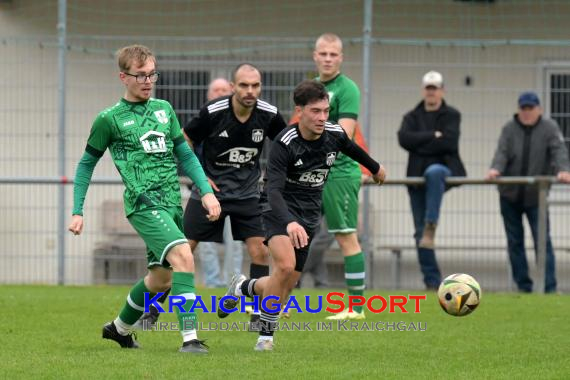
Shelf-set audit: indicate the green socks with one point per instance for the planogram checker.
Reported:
(134, 307)
(354, 275)
(183, 285)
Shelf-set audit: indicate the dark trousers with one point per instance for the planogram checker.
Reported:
(512, 213)
(426, 202)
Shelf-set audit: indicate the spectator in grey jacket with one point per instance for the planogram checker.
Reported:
(529, 145)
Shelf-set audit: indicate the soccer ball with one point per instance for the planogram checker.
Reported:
(459, 294)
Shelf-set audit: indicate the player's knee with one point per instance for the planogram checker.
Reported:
(181, 259)
(284, 271)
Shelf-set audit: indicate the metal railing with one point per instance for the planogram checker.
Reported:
(543, 183)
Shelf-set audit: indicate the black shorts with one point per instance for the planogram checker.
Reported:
(273, 226)
(245, 218)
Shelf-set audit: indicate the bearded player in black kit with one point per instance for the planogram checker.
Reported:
(299, 162)
(232, 131)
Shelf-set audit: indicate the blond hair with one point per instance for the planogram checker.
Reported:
(328, 37)
(137, 54)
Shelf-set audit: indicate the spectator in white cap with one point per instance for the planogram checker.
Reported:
(430, 133)
(529, 145)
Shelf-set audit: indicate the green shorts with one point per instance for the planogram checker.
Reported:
(161, 229)
(340, 204)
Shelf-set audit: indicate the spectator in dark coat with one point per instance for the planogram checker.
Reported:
(430, 133)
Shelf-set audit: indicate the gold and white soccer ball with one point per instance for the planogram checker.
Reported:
(459, 294)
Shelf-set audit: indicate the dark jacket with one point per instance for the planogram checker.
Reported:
(419, 140)
(543, 154)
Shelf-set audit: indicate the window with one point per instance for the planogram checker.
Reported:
(278, 87)
(559, 104)
(185, 90)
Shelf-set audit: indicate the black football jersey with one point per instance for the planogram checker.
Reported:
(231, 149)
(298, 170)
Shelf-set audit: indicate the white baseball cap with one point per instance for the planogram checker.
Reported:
(432, 78)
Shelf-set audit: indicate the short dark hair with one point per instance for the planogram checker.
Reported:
(309, 91)
(245, 64)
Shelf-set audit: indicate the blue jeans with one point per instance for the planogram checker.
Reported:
(426, 203)
(512, 213)
(233, 257)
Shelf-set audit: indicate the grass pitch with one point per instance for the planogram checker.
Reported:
(55, 333)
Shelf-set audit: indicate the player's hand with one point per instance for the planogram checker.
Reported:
(380, 177)
(298, 235)
(364, 178)
(213, 184)
(76, 225)
(211, 204)
(492, 174)
(563, 177)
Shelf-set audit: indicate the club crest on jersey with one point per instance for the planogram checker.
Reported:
(153, 142)
(161, 116)
(257, 135)
(331, 156)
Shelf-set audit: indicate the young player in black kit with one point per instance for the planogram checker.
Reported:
(300, 160)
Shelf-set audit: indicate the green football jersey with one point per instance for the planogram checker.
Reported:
(344, 97)
(141, 137)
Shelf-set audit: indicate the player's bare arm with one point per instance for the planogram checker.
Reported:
(349, 126)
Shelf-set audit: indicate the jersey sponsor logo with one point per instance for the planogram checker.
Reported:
(153, 142)
(314, 178)
(239, 155)
(127, 123)
(257, 135)
(224, 134)
(331, 156)
(161, 116)
(298, 163)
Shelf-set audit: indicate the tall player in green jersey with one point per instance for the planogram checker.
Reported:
(143, 136)
(340, 194)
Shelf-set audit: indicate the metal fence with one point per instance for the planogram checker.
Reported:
(58, 71)
(110, 252)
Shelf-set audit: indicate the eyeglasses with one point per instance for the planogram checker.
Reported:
(141, 78)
